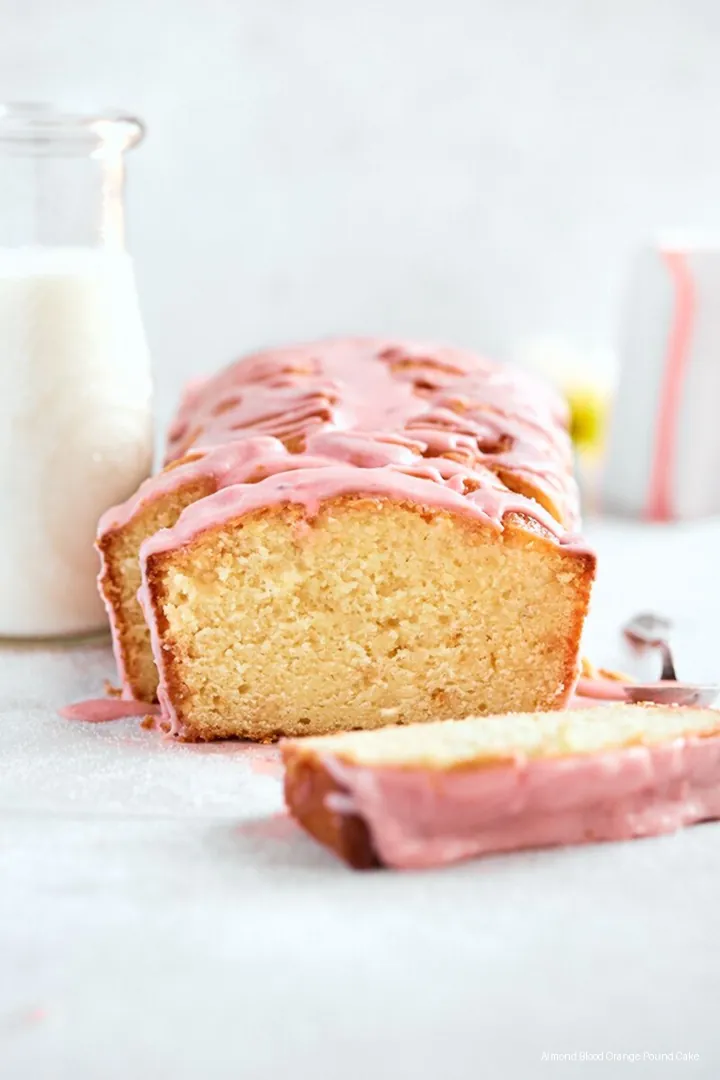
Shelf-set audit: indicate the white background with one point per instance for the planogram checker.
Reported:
(473, 170)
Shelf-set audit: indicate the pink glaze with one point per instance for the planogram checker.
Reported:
(367, 404)
(426, 485)
(350, 383)
(600, 689)
(424, 817)
(102, 710)
(230, 463)
(340, 398)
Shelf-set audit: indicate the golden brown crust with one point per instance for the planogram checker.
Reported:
(120, 579)
(110, 583)
(156, 596)
(308, 786)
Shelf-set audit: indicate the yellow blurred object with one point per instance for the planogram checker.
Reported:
(589, 671)
(589, 408)
(586, 379)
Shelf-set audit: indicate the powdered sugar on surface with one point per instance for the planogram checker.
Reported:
(61, 766)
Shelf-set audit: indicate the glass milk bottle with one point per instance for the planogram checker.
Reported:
(75, 408)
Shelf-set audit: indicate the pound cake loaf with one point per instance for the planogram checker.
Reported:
(428, 795)
(348, 534)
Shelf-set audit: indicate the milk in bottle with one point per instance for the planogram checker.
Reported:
(75, 408)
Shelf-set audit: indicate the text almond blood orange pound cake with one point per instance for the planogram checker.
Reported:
(360, 532)
(431, 794)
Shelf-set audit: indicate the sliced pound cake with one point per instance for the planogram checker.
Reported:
(426, 795)
(492, 437)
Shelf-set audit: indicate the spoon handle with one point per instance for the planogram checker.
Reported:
(668, 666)
(653, 631)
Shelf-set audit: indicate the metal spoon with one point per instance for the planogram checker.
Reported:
(648, 631)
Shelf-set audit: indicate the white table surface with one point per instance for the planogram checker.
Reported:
(156, 919)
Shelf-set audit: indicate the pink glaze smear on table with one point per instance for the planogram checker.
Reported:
(102, 710)
(598, 690)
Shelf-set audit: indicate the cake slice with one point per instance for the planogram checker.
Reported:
(426, 795)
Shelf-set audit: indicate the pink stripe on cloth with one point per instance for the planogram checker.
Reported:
(659, 505)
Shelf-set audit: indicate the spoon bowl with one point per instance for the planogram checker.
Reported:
(653, 632)
(677, 693)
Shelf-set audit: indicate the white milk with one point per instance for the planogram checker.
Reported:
(75, 427)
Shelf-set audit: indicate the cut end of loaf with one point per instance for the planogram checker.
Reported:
(371, 613)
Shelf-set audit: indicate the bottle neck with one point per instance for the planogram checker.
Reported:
(62, 201)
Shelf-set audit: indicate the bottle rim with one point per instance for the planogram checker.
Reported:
(36, 127)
